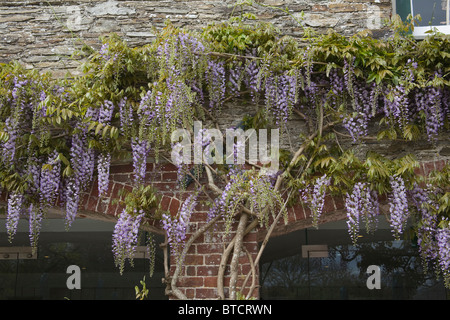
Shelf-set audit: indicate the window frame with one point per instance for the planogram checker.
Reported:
(420, 32)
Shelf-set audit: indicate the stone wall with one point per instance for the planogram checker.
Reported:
(44, 35)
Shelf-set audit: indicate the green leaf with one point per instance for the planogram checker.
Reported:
(63, 159)
(99, 127)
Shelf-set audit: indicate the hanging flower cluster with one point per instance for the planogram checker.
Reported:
(49, 180)
(215, 76)
(398, 206)
(104, 158)
(140, 151)
(36, 216)
(280, 96)
(125, 237)
(426, 233)
(314, 197)
(433, 236)
(83, 164)
(362, 203)
(177, 227)
(14, 210)
(443, 242)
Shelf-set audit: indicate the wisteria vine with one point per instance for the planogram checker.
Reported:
(57, 137)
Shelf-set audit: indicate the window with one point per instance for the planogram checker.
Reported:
(87, 244)
(322, 264)
(435, 14)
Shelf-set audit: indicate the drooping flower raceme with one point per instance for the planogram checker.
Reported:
(280, 97)
(49, 181)
(83, 164)
(15, 202)
(361, 203)
(315, 197)
(106, 112)
(356, 125)
(216, 83)
(433, 112)
(176, 228)
(125, 116)
(443, 243)
(125, 237)
(9, 147)
(104, 158)
(103, 166)
(397, 105)
(235, 78)
(426, 232)
(179, 160)
(34, 172)
(218, 207)
(398, 206)
(140, 149)
(35, 223)
(252, 71)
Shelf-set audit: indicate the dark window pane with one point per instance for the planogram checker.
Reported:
(433, 12)
(88, 244)
(340, 274)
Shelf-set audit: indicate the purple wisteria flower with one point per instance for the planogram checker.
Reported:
(398, 206)
(235, 78)
(83, 163)
(34, 172)
(49, 180)
(103, 167)
(443, 244)
(105, 53)
(106, 112)
(14, 210)
(433, 112)
(215, 76)
(218, 207)
(9, 147)
(426, 233)
(356, 125)
(104, 158)
(178, 159)
(146, 111)
(362, 203)
(252, 71)
(72, 199)
(337, 83)
(177, 228)
(125, 237)
(140, 149)
(125, 115)
(315, 197)
(35, 223)
(280, 96)
(397, 107)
